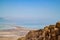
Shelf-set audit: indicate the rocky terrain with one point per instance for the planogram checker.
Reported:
(51, 32)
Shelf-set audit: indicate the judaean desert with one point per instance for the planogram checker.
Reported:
(13, 34)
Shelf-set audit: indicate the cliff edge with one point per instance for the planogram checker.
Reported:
(51, 32)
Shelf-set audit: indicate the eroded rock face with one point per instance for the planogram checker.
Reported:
(35, 35)
(51, 32)
(58, 26)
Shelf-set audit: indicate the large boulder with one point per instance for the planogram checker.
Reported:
(34, 35)
(58, 26)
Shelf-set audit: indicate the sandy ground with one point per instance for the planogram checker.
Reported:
(12, 34)
(8, 38)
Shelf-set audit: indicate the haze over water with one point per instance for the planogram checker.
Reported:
(29, 13)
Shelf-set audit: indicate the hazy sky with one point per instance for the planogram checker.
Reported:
(29, 11)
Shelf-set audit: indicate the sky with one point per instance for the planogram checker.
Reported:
(29, 12)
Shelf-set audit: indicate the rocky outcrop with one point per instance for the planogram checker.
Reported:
(51, 32)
